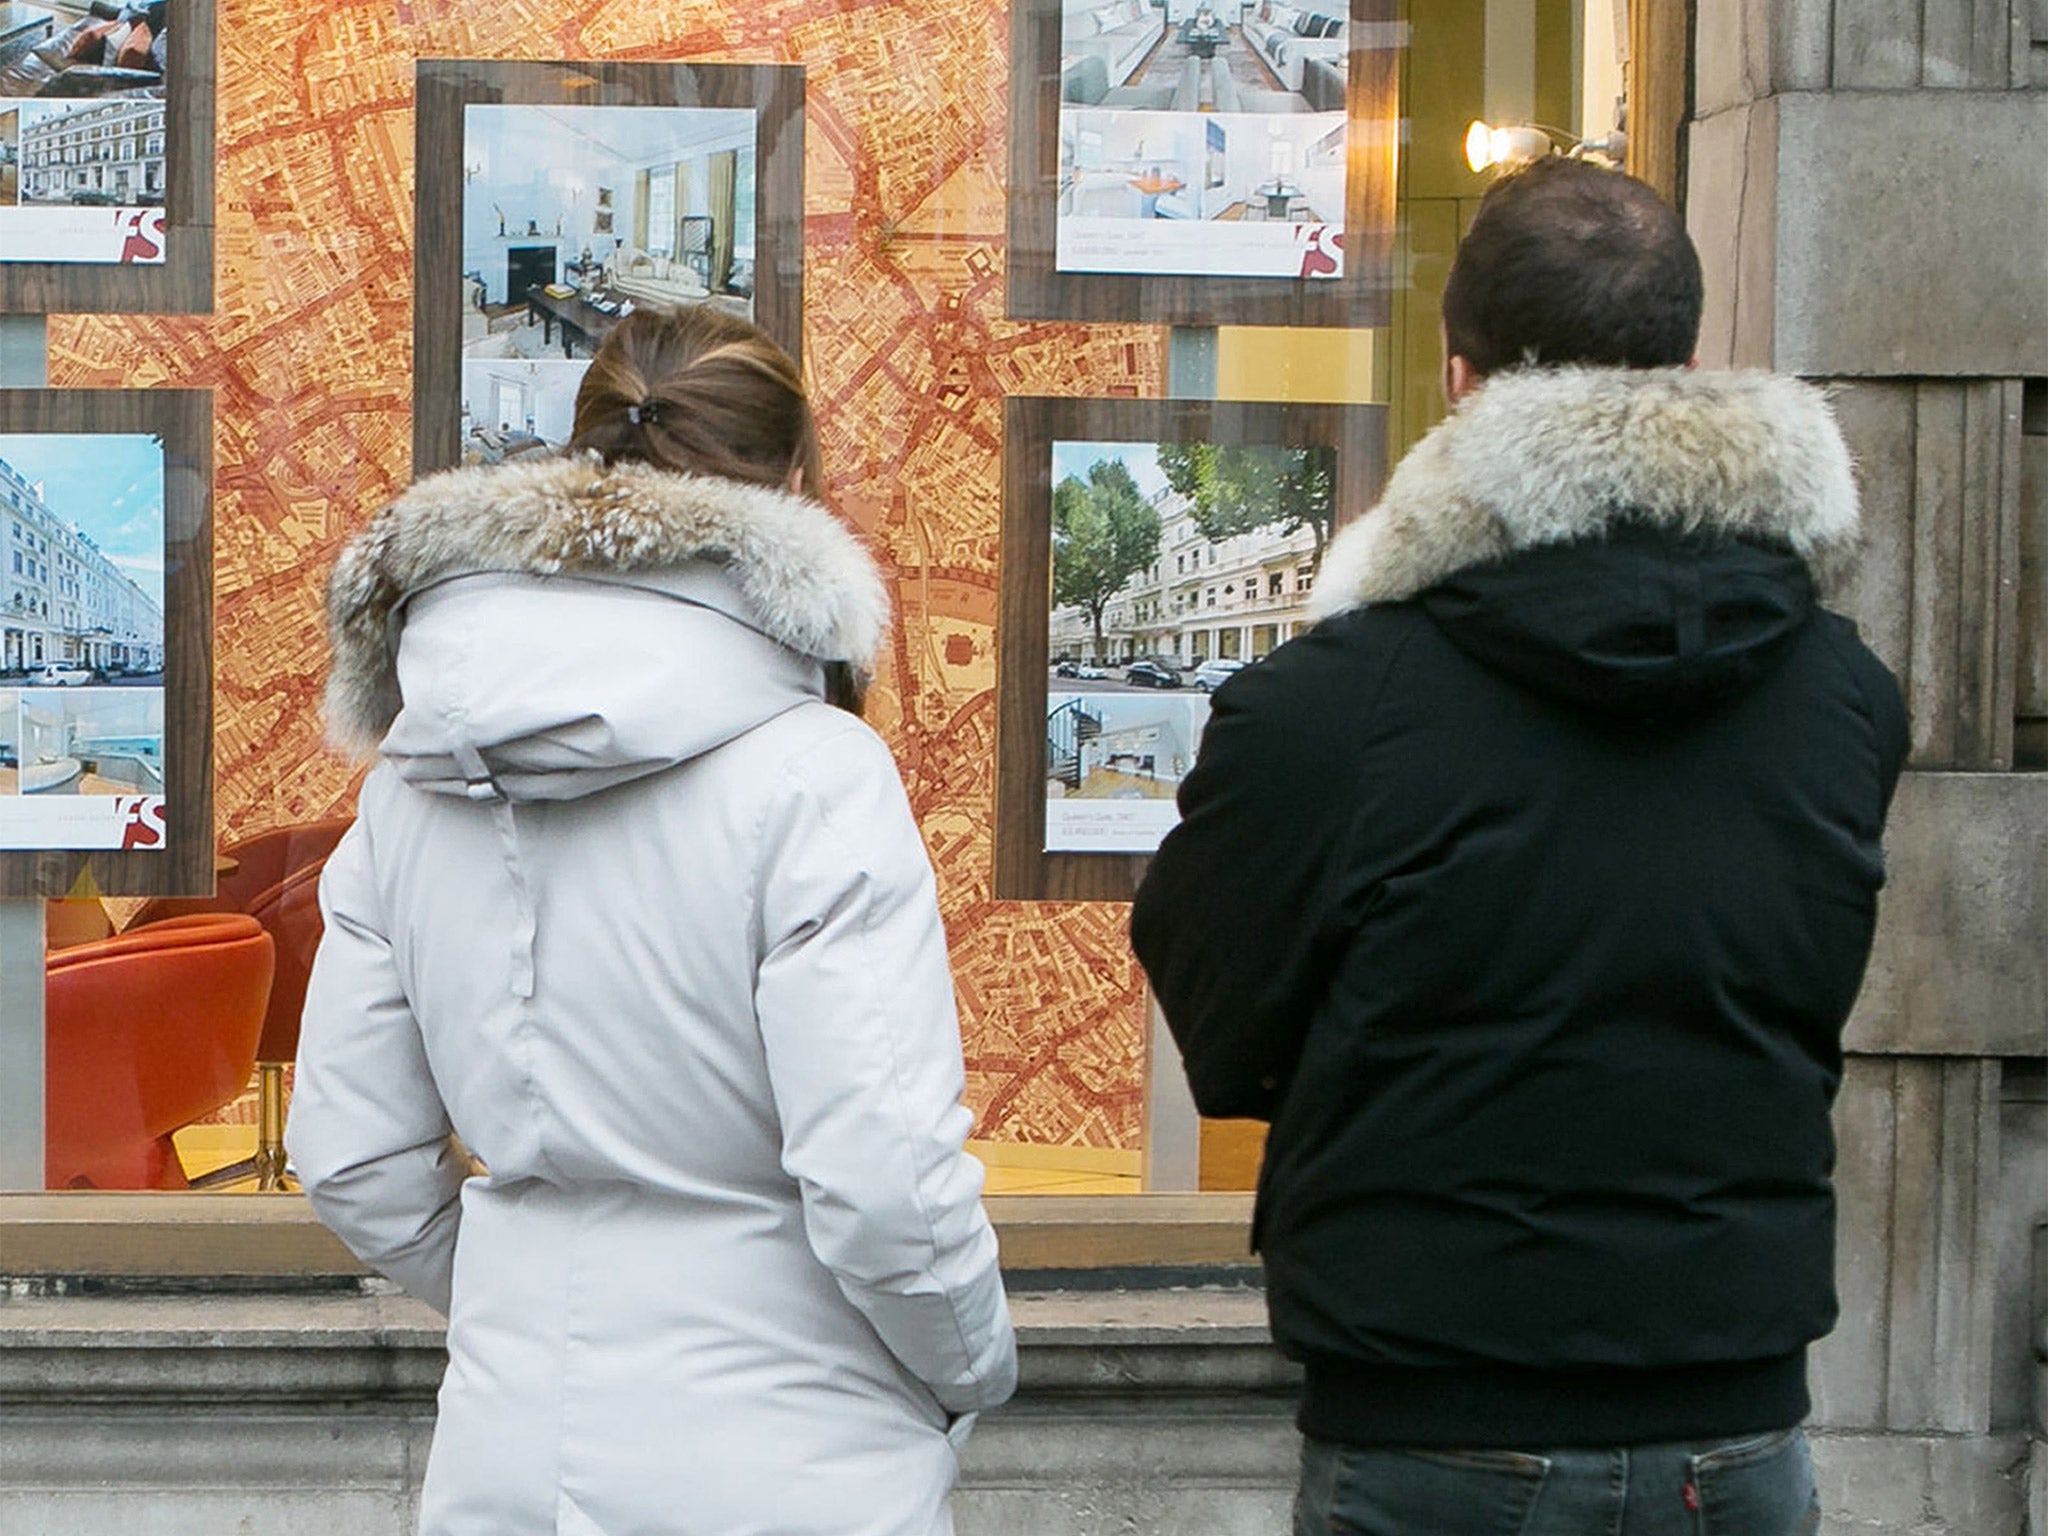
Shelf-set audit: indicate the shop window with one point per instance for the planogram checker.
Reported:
(1400, 371)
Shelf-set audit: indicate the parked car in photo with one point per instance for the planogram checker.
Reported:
(1211, 675)
(1080, 670)
(1151, 674)
(59, 674)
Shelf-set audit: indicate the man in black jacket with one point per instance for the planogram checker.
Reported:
(1527, 895)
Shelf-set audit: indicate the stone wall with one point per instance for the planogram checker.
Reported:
(1867, 191)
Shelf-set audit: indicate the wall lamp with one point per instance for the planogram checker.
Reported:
(1515, 144)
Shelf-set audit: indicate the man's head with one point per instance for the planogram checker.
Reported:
(1567, 262)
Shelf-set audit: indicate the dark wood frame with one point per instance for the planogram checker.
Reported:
(183, 282)
(1024, 871)
(773, 92)
(183, 420)
(1363, 296)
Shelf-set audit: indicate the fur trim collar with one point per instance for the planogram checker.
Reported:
(1551, 455)
(806, 578)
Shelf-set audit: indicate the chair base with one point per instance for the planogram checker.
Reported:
(267, 1165)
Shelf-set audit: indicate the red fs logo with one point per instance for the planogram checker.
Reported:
(1322, 249)
(142, 819)
(145, 232)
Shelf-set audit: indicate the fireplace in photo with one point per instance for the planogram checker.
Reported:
(527, 266)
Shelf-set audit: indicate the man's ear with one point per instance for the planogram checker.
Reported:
(1460, 378)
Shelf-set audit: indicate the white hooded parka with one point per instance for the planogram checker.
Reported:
(650, 927)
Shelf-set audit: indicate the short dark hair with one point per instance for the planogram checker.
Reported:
(1568, 262)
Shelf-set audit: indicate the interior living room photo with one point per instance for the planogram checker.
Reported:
(1225, 120)
(58, 48)
(1205, 55)
(572, 217)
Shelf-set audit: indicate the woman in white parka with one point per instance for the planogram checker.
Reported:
(643, 919)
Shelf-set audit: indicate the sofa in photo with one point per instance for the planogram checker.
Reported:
(1287, 37)
(112, 50)
(1326, 83)
(1119, 32)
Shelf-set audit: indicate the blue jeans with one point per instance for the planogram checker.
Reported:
(1757, 1485)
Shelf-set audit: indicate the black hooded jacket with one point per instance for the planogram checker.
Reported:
(1527, 896)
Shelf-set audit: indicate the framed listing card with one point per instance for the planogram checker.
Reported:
(1152, 549)
(581, 193)
(1204, 162)
(106, 156)
(106, 625)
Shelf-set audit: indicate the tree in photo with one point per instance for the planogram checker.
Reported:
(1238, 489)
(1103, 533)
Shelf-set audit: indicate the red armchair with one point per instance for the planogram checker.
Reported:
(276, 880)
(147, 1032)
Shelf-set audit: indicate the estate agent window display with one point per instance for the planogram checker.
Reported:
(582, 192)
(1151, 550)
(106, 157)
(1229, 166)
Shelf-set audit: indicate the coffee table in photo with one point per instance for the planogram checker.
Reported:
(579, 319)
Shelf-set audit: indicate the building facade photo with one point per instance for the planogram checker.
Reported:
(105, 152)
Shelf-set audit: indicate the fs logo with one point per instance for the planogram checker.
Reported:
(142, 821)
(1324, 252)
(145, 235)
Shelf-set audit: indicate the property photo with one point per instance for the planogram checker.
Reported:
(1175, 564)
(95, 741)
(512, 408)
(60, 49)
(1113, 764)
(82, 560)
(572, 216)
(83, 180)
(10, 742)
(1202, 139)
(10, 156)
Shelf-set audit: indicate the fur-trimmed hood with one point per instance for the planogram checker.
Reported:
(1644, 544)
(1556, 455)
(560, 615)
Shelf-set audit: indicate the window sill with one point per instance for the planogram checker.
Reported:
(242, 1237)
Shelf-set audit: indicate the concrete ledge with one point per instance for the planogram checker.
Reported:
(1139, 1411)
(374, 1349)
(1960, 967)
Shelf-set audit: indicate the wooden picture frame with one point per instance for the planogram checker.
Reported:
(1024, 870)
(774, 94)
(182, 283)
(1041, 77)
(182, 421)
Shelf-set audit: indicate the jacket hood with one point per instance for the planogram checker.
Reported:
(1644, 542)
(556, 627)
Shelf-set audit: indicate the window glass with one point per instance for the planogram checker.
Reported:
(910, 357)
